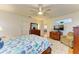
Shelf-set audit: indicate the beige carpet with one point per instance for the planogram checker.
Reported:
(58, 47)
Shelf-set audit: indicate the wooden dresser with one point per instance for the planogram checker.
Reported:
(35, 31)
(55, 35)
(76, 40)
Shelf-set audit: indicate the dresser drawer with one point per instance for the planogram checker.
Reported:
(55, 35)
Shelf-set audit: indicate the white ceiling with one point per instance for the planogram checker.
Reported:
(50, 10)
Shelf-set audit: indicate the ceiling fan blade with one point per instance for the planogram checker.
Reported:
(46, 13)
(48, 10)
(34, 9)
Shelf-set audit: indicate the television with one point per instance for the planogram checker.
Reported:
(59, 27)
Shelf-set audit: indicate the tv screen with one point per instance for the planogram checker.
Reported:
(59, 27)
(56, 27)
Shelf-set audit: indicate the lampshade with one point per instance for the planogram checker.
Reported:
(1, 29)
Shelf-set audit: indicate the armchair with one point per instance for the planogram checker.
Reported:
(68, 39)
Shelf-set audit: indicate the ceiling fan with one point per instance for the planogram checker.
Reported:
(40, 10)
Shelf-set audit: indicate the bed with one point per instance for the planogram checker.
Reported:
(26, 44)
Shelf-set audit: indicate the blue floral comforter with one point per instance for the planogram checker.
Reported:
(25, 44)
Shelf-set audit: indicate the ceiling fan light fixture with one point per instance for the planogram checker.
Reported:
(40, 13)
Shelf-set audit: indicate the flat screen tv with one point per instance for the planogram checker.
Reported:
(59, 27)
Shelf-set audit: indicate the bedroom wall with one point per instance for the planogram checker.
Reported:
(14, 24)
(69, 26)
(26, 24)
(46, 22)
(10, 23)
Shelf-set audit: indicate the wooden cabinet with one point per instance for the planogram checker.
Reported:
(76, 40)
(55, 35)
(35, 31)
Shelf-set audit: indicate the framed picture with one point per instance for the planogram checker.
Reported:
(33, 26)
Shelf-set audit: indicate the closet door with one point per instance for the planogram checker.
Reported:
(76, 40)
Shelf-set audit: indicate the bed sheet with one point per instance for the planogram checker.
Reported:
(25, 44)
